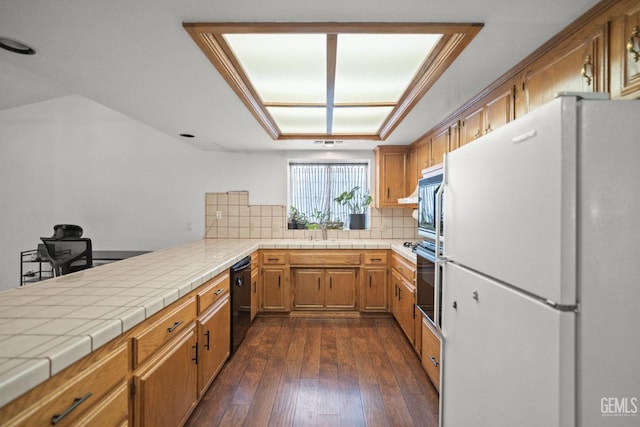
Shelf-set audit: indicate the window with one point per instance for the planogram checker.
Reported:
(314, 185)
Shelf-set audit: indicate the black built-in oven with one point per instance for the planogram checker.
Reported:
(428, 286)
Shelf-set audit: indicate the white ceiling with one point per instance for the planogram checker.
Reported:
(135, 57)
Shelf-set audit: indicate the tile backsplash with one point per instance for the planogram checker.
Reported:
(229, 216)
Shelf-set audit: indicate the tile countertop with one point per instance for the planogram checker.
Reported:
(47, 326)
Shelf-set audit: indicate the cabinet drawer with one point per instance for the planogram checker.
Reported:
(113, 410)
(375, 258)
(431, 353)
(270, 258)
(404, 267)
(324, 258)
(213, 291)
(162, 328)
(67, 397)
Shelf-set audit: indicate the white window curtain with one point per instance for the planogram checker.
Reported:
(313, 186)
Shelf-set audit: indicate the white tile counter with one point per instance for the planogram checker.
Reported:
(47, 326)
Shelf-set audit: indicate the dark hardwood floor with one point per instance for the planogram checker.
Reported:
(302, 371)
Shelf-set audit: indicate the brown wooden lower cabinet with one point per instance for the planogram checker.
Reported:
(74, 394)
(324, 288)
(166, 385)
(274, 288)
(155, 374)
(403, 302)
(341, 292)
(214, 337)
(431, 352)
(374, 289)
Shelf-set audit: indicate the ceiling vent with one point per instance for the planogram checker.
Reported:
(328, 143)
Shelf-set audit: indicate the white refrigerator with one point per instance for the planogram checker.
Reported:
(541, 271)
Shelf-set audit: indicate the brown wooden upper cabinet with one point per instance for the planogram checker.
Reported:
(390, 175)
(497, 110)
(455, 134)
(439, 146)
(424, 154)
(625, 53)
(598, 52)
(577, 65)
(471, 125)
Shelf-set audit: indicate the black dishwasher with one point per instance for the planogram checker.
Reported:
(240, 301)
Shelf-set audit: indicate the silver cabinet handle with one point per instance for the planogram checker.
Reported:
(218, 292)
(175, 326)
(76, 402)
(433, 360)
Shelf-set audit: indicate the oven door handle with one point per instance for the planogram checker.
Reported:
(437, 285)
(439, 207)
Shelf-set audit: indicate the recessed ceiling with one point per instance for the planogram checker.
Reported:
(329, 80)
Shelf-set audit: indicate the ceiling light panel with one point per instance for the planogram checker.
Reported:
(293, 120)
(379, 67)
(359, 120)
(319, 80)
(283, 68)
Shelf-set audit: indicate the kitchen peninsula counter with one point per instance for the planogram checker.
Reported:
(49, 325)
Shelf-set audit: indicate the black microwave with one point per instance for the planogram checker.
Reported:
(428, 188)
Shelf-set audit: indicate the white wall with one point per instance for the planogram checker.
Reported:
(71, 160)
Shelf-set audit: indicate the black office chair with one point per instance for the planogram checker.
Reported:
(67, 230)
(67, 251)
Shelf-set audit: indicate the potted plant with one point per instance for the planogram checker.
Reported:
(336, 224)
(357, 202)
(296, 219)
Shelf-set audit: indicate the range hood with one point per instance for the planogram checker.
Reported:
(411, 199)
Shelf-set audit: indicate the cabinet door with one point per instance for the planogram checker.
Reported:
(625, 54)
(395, 285)
(455, 135)
(403, 304)
(424, 155)
(472, 126)
(577, 68)
(439, 146)
(374, 290)
(254, 293)
(390, 175)
(499, 111)
(214, 332)
(166, 385)
(341, 289)
(406, 304)
(308, 288)
(273, 288)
